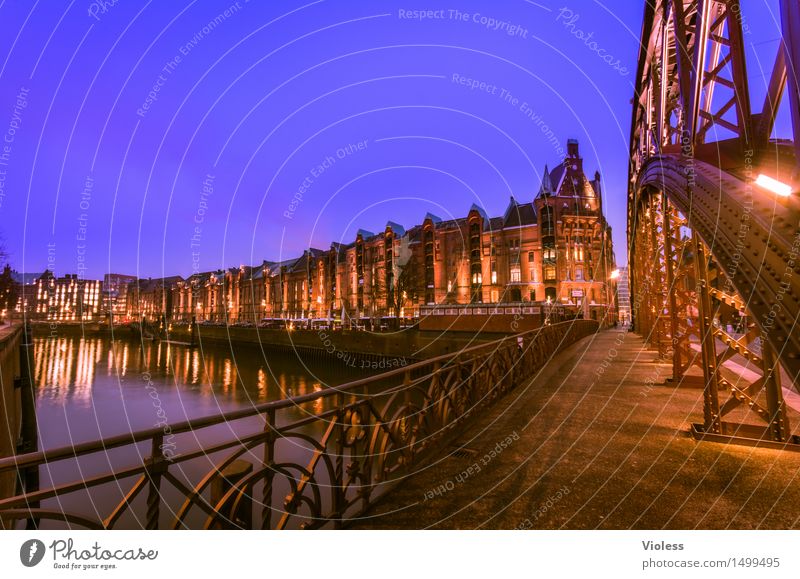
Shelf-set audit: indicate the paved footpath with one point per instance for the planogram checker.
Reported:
(597, 440)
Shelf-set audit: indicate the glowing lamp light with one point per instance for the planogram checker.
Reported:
(773, 185)
(615, 274)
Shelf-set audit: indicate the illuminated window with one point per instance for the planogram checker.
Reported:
(515, 274)
(549, 272)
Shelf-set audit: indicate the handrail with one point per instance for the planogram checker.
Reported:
(381, 433)
(22, 460)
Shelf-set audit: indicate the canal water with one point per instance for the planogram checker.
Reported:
(91, 388)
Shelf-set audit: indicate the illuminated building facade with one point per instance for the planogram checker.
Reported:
(67, 298)
(115, 293)
(553, 249)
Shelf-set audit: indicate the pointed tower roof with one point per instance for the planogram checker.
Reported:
(546, 188)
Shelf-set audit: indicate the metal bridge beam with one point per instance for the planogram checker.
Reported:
(690, 198)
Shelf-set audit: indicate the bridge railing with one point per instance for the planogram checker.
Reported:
(305, 462)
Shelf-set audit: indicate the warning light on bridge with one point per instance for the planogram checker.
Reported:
(773, 185)
(615, 274)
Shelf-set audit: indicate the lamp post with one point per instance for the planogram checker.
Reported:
(612, 295)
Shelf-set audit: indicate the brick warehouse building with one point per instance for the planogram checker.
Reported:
(555, 250)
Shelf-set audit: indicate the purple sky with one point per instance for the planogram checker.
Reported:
(278, 125)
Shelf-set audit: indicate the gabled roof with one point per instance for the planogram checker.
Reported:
(432, 217)
(494, 224)
(483, 215)
(396, 228)
(365, 234)
(518, 214)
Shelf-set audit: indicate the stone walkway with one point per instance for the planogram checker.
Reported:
(597, 440)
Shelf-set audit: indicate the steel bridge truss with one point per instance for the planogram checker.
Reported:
(713, 257)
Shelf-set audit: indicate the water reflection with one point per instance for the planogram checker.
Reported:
(94, 387)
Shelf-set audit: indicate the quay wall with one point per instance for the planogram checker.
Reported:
(379, 349)
(10, 401)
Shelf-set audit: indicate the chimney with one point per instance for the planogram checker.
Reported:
(572, 148)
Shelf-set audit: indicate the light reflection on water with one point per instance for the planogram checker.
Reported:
(89, 388)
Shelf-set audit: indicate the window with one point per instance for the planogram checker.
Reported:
(494, 272)
(547, 220)
(515, 274)
(549, 273)
(532, 274)
(530, 257)
(579, 273)
(549, 253)
(532, 295)
(449, 286)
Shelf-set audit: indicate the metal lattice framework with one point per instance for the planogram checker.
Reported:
(705, 243)
(305, 462)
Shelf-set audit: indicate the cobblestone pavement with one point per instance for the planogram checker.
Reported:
(597, 440)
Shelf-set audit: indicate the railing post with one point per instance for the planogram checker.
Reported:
(29, 477)
(155, 468)
(338, 482)
(269, 460)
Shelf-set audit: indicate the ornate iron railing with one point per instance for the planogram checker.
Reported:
(351, 445)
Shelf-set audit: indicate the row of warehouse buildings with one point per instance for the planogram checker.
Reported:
(553, 249)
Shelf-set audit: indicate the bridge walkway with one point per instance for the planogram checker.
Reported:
(597, 440)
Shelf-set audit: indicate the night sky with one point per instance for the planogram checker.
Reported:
(160, 138)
